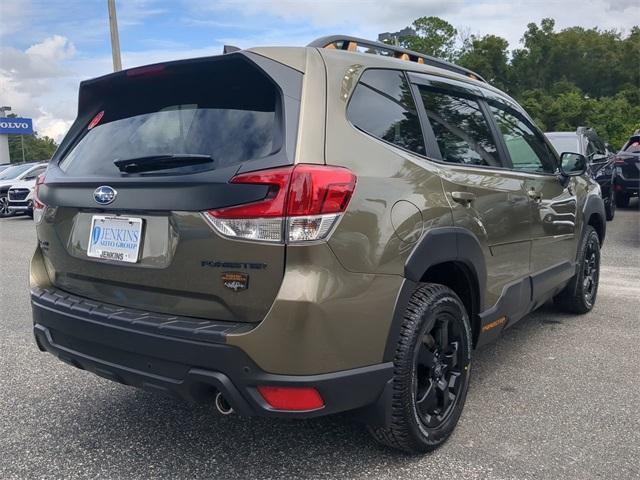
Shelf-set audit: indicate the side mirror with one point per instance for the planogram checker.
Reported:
(572, 164)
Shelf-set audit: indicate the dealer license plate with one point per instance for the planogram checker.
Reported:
(115, 238)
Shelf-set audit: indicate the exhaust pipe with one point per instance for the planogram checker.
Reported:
(222, 405)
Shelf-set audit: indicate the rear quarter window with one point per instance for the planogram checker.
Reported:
(382, 106)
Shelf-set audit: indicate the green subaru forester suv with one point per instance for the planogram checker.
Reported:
(296, 232)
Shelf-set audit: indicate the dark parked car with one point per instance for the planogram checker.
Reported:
(601, 159)
(627, 166)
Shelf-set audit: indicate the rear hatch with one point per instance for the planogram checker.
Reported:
(152, 148)
(628, 160)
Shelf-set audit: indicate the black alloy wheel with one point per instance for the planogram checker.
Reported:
(591, 270)
(579, 296)
(431, 372)
(4, 206)
(440, 371)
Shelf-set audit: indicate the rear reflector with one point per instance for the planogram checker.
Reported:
(303, 204)
(292, 398)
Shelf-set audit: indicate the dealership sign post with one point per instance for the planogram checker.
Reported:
(12, 126)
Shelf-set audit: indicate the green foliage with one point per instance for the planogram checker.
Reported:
(488, 56)
(564, 79)
(36, 148)
(614, 118)
(434, 36)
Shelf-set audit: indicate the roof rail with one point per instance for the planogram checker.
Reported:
(351, 44)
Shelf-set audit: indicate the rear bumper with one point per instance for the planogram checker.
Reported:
(627, 185)
(186, 358)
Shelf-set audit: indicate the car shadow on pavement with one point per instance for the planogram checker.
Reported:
(169, 435)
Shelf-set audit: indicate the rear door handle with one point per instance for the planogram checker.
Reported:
(465, 198)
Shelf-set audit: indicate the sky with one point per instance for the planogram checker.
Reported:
(48, 46)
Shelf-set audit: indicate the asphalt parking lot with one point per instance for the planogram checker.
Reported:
(556, 396)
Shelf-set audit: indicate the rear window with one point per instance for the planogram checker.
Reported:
(634, 146)
(227, 110)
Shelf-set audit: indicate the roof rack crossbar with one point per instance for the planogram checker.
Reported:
(345, 42)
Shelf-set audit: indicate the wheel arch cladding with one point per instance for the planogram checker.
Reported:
(594, 215)
(438, 250)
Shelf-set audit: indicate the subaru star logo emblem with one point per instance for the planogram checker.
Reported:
(104, 195)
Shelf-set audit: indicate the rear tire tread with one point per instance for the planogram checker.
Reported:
(571, 298)
(397, 435)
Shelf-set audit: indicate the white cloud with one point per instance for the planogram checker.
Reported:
(14, 16)
(28, 78)
(358, 13)
(54, 49)
(47, 124)
(371, 17)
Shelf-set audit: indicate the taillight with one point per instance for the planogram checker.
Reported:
(292, 398)
(303, 203)
(38, 206)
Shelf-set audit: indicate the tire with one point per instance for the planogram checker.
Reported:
(610, 205)
(622, 200)
(4, 207)
(579, 295)
(423, 369)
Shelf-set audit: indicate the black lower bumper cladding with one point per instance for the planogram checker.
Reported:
(184, 357)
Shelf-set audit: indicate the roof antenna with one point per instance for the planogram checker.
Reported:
(230, 49)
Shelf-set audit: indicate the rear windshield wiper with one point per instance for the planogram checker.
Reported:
(152, 163)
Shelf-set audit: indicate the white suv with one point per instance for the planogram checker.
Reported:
(13, 176)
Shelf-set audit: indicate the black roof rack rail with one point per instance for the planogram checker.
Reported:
(345, 42)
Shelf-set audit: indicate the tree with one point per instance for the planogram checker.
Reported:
(564, 79)
(529, 64)
(36, 148)
(434, 36)
(488, 56)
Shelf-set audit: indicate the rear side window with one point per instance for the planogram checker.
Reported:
(633, 146)
(382, 106)
(226, 110)
(461, 129)
(528, 152)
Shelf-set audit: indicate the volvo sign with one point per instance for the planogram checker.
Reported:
(12, 126)
(16, 126)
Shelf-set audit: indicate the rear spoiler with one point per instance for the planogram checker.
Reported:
(351, 44)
